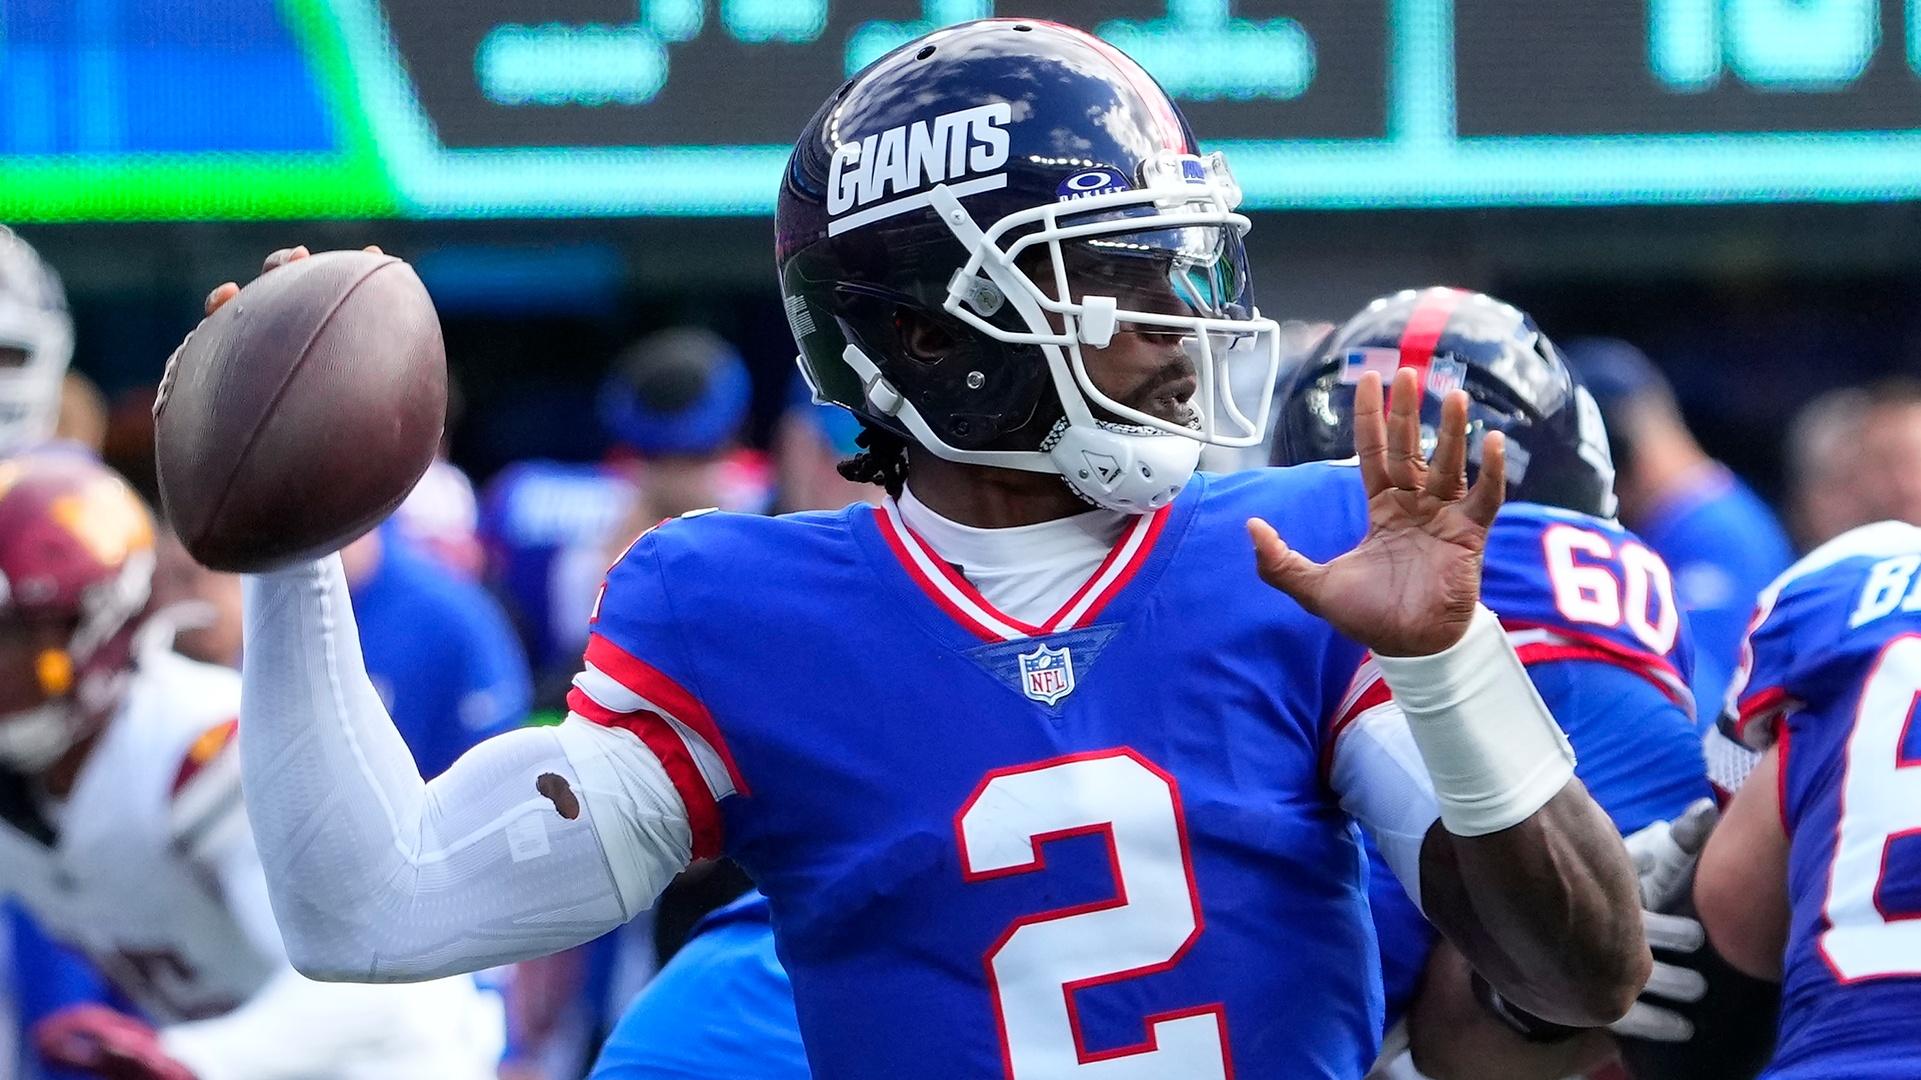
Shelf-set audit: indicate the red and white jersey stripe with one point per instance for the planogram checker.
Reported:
(965, 604)
(619, 690)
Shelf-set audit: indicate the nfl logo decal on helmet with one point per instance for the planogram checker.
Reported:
(1047, 675)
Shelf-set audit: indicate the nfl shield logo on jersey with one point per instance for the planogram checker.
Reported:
(1047, 675)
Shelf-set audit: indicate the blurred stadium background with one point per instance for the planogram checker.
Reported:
(1729, 184)
(1732, 185)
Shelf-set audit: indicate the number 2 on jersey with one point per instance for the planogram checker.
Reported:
(1043, 959)
(1880, 803)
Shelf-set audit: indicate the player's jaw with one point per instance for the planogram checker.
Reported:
(1150, 372)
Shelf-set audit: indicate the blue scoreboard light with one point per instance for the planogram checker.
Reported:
(424, 108)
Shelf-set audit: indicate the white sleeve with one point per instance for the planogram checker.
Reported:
(376, 876)
(1382, 782)
(293, 1027)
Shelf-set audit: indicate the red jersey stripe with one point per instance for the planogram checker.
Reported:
(203, 752)
(1765, 703)
(1600, 644)
(1543, 652)
(898, 542)
(1155, 523)
(659, 737)
(649, 682)
(1375, 694)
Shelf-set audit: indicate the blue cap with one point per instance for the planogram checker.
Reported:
(837, 427)
(678, 392)
(1613, 370)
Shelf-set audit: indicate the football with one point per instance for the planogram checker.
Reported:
(300, 413)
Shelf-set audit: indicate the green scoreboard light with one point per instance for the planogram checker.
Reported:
(221, 109)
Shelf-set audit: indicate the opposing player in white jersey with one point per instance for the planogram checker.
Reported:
(123, 831)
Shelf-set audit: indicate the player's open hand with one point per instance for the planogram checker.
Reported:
(1410, 586)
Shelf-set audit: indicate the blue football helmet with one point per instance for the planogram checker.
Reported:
(1516, 380)
(1017, 183)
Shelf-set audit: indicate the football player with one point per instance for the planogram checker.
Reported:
(36, 344)
(123, 832)
(673, 410)
(1813, 877)
(723, 1006)
(1722, 540)
(1591, 611)
(1038, 777)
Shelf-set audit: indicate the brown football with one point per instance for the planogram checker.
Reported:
(302, 412)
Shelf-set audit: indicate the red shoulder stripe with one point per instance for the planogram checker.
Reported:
(1375, 694)
(651, 683)
(655, 733)
(1763, 703)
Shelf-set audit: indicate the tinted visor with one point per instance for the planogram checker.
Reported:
(1191, 270)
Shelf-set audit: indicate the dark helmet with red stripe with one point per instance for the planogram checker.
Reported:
(1028, 191)
(1516, 381)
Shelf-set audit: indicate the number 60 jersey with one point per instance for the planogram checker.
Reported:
(1831, 674)
(1100, 847)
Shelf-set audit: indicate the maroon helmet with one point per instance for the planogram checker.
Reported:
(76, 574)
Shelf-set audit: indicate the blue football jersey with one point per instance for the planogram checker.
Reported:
(1724, 546)
(722, 1008)
(1832, 675)
(1592, 612)
(994, 848)
(537, 520)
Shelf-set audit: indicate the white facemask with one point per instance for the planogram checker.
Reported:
(1141, 462)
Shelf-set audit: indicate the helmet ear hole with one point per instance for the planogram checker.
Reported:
(922, 338)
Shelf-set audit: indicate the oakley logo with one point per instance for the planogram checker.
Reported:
(1091, 182)
(868, 180)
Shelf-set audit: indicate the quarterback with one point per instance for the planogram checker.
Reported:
(1035, 762)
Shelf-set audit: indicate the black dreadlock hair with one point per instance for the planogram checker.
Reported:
(882, 460)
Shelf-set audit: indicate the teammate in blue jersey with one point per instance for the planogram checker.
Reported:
(1721, 540)
(722, 1009)
(672, 409)
(440, 650)
(1813, 877)
(1590, 609)
(1035, 768)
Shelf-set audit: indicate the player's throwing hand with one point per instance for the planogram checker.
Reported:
(1410, 586)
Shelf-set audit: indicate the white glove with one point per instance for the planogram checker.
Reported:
(1664, 854)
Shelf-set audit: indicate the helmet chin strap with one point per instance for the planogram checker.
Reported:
(1123, 469)
(1113, 466)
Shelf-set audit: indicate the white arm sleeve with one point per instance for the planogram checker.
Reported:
(376, 876)
(1382, 782)
(293, 1027)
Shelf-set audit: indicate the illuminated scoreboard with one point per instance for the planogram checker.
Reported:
(129, 109)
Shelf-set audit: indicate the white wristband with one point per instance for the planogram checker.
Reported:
(1493, 749)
